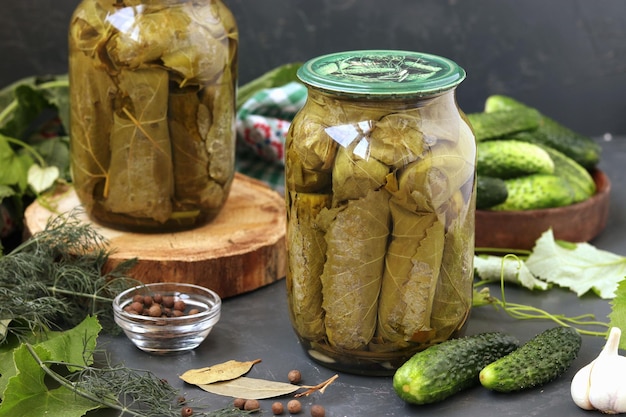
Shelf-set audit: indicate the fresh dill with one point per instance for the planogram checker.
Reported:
(130, 391)
(54, 279)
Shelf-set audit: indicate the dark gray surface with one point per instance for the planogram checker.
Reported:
(256, 325)
(567, 57)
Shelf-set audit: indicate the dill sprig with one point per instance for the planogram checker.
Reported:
(133, 392)
(56, 278)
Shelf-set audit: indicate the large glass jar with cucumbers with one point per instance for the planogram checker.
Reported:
(152, 91)
(380, 194)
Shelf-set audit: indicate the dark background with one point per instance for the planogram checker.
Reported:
(565, 57)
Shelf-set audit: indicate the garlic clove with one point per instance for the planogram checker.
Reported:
(607, 391)
(601, 384)
(579, 388)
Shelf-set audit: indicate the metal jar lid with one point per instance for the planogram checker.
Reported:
(382, 74)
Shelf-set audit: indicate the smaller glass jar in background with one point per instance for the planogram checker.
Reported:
(152, 96)
(380, 194)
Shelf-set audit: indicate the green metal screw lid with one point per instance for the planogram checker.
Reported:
(382, 73)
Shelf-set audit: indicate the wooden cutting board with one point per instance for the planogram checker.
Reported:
(240, 250)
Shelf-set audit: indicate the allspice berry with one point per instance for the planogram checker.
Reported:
(251, 405)
(294, 406)
(317, 411)
(277, 408)
(154, 310)
(239, 403)
(294, 376)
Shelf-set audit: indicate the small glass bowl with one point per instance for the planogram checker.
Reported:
(168, 334)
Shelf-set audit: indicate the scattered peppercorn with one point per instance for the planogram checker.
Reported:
(294, 406)
(277, 408)
(317, 411)
(186, 412)
(294, 376)
(239, 403)
(251, 405)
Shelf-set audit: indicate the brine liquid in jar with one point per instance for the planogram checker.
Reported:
(380, 194)
(152, 121)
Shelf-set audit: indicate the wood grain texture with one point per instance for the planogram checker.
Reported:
(242, 249)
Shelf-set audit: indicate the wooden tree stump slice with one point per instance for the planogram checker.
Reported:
(240, 250)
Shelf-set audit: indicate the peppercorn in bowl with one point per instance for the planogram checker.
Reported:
(167, 317)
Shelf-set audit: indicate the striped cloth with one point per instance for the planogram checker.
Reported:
(262, 125)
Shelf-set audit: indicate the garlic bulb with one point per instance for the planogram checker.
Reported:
(601, 385)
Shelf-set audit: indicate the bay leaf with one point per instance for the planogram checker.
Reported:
(221, 372)
(251, 388)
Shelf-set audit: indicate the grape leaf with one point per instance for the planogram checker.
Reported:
(22, 380)
(42, 178)
(14, 166)
(617, 316)
(581, 267)
(489, 268)
(28, 395)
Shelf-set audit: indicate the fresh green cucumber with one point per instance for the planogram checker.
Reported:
(536, 191)
(580, 148)
(449, 367)
(490, 192)
(537, 362)
(500, 102)
(512, 158)
(579, 179)
(503, 123)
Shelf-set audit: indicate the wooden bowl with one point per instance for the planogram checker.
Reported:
(579, 222)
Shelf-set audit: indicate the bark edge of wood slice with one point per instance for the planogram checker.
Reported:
(242, 249)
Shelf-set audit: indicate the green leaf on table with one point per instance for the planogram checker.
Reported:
(617, 316)
(30, 104)
(65, 346)
(13, 166)
(28, 395)
(6, 191)
(490, 268)
(56, 152)
(42, 178)
(581, 267)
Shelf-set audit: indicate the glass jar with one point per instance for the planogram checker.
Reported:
(380, 194)
(152, 94)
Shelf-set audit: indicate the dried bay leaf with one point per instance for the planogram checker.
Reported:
(250, 388)
(221, 372)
